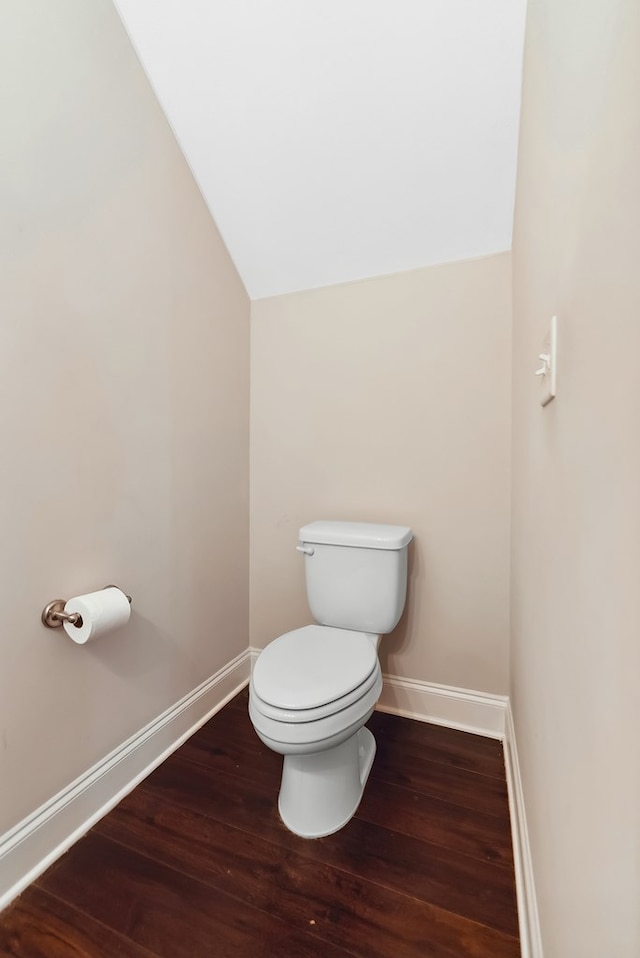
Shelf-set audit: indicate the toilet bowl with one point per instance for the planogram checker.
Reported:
(313, 689)
(309, 702)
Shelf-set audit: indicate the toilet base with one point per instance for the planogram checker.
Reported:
(320, 792)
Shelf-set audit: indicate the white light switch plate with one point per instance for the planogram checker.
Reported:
(549, 356)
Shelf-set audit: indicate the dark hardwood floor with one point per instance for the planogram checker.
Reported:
(196, 863)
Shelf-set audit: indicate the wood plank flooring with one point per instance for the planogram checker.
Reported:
(196, 863)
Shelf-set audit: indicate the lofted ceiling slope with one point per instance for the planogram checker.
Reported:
(339, 139)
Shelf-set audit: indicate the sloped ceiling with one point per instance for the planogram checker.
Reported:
(339, 139)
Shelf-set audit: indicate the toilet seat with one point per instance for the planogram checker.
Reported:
(314, 671)
(295, 716)
(320, 728)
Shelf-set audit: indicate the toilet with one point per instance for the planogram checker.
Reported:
(313, 689)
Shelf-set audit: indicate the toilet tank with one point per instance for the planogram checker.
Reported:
(356, 573)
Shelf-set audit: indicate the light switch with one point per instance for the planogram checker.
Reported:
(547, 363)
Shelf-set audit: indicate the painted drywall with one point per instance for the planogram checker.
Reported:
(335, 141)
(576, 474)
(388, 400)
(124, 379)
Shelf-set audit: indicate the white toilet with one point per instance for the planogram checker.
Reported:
(313, 689)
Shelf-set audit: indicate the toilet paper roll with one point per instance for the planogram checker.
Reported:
(101, 612)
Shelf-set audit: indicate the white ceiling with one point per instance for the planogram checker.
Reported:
(338, 139)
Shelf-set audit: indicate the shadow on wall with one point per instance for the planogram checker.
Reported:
(404, 634)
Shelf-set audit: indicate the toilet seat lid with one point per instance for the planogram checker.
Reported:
(312, 666)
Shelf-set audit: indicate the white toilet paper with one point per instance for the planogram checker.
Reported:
(101, 612)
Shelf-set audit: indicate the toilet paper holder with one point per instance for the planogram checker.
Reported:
(53, 614)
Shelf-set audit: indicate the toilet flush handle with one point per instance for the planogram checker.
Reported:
(308, 550)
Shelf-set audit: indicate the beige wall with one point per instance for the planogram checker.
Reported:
(124, 382)
(389, 400)
(576, 473)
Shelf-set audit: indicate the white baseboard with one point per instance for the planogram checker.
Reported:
(485, 715)
(530, 937)
(463, 709)
(35, 843)
(253, 654)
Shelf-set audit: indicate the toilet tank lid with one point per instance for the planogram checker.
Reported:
(363, 535)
